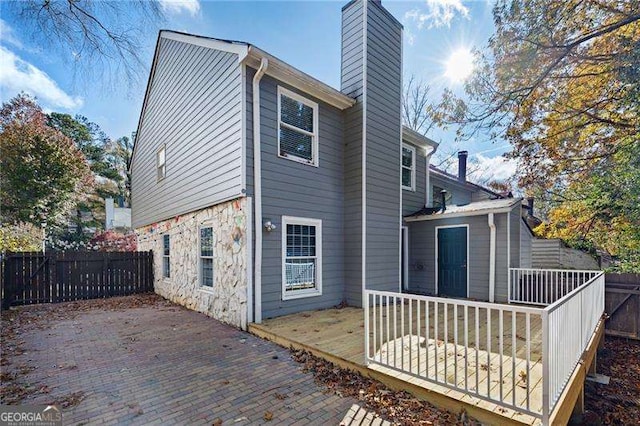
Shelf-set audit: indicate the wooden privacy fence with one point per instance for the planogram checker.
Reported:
(622, 304)
(29, 278)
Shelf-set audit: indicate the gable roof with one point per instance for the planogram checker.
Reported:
(418, 139)
(251, 56)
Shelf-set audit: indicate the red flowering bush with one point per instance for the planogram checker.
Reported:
(114, 241)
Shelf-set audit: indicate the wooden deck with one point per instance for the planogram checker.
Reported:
(338, 335)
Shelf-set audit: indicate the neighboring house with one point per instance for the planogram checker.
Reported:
(118, 218)
(303, 196)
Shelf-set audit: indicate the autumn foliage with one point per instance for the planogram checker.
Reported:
(42, 173)
(114, 241)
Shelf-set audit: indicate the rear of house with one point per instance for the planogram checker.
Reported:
(263, 191)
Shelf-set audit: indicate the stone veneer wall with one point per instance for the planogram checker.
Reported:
(227, 301)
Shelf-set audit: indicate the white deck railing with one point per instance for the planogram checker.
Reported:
(544, 286)
(567, 326)
(517, 357)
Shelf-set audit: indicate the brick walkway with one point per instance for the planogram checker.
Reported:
(164, 364)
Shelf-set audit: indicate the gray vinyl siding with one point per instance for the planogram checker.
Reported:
(525, 246)
(422, 255)
(383, 145)
(352, 85)
(412, 201)
(459, 195)
(501, 256)
(194, 109)
(294, 189)
(516, 223)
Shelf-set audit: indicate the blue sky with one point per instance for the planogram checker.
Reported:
(305, 34)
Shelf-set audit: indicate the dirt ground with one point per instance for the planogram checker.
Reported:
(617, 403)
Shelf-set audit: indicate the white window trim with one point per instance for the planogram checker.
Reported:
(201, 286)
(297, 294)
(166, 257)
(314, 135)
(413, 168)
(158, 165)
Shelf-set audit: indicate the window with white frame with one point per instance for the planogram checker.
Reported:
(206, 256)
(161, 159)
(408, 167)
(297, 127)
(166, 254)
(301, 257)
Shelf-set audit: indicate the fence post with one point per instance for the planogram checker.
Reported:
(53, 277)
(366, 327)
(150, 277)
(545, 368)
(6, 286)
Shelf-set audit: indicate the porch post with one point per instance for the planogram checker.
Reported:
(545, 368)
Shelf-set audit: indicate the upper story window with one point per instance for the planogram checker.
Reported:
(297, 127)
(161, 158)
(408, 167)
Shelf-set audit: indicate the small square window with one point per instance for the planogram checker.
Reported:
(161, 163)
(297, 127)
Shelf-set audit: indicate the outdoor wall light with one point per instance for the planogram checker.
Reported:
(268, 225)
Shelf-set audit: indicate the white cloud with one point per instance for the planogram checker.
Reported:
(492, 168)
(7, 35)
(18, 75)
(178, 6)
(439, 13)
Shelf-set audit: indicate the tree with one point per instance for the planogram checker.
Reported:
(560, 82)
(121, 151)
(602, 212)
(96, 147)
(103, 38)
(42, 174)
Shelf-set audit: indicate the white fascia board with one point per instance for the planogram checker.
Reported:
(415, 138)
(298, 79)
(240, 49)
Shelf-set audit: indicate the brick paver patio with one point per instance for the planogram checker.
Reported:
(163, 364)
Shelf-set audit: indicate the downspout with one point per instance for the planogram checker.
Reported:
(257, 190)
(492, 259)
(428, 202)
(508, 256)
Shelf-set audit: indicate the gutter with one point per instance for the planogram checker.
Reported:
(428, 202)
(492, 258)
(257, 189)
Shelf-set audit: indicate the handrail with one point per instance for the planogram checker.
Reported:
(552, 307)
(413, 335)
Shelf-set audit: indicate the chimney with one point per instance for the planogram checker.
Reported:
(372, 74)
(530, 205)
(462, 166)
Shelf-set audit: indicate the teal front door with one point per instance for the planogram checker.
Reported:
(452, 261)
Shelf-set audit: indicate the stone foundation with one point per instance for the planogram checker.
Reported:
(227, 300)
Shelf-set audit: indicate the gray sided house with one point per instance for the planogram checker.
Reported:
(263, 191)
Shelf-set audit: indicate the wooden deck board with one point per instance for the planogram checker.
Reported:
(338, 335)
(340, 332)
